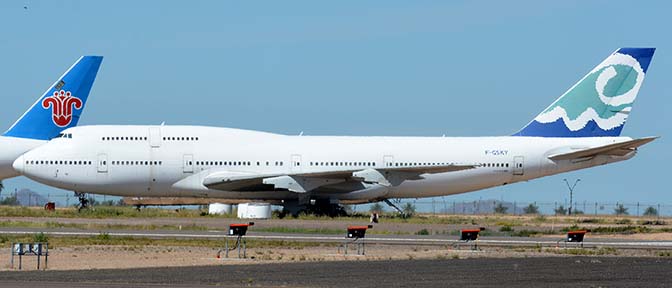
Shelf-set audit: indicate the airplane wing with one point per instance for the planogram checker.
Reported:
(305, 182)
(616, 149)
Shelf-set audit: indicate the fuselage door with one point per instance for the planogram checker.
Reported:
(155, 137)
(188, 163)
(102, 163)
(296, 163)
(518, 165)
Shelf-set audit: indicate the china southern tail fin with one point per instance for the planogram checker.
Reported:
(599, 104)
(61, 105)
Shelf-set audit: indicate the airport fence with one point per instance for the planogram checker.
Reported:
(466, 207)
(438, 205)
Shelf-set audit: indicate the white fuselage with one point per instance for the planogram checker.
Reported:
(12, 148)
(172, 161)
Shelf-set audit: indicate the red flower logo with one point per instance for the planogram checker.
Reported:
(61, 104)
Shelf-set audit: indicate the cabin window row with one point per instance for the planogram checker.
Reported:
(125, 138)
(180, 138)
(58, 162)
(338, 163)
(419, 164)
(495, 165)
(235, 163)
(136, 163)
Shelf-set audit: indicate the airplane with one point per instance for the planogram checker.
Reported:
(581, 129)
(59, 108)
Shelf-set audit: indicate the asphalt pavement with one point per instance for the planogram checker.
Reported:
(477, 272)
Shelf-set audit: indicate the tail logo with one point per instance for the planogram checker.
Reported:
(62, 104)
(604, 96)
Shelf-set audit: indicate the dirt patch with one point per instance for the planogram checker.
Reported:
(124, 257)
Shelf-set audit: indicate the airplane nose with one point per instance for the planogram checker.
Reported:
(19, 164)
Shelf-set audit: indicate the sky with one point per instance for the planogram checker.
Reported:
(401, 68)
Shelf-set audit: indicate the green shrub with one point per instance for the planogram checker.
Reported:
(40, 237)
(505, 229)
(423, 231)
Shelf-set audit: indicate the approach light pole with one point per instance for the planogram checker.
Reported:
(571, 192)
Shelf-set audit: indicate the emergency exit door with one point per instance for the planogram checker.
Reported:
(188, 163)
(102, 163)
(518, 165)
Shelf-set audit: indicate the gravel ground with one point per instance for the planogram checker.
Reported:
(475, 272)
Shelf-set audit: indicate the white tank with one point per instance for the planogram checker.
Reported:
(254, 211)
(219, 209)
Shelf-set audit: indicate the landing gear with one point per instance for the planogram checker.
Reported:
(401, 212)
(83, 201)
(321, 207)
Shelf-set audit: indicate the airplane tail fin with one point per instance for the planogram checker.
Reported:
(599, 104)
(61, 105)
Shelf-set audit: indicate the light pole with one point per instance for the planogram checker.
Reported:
(571, 191)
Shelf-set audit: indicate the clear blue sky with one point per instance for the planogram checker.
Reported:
(459, 68)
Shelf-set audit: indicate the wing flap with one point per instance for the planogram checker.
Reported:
(305, 182)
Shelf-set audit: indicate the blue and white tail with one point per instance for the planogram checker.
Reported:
(599, 104)
(61, 105)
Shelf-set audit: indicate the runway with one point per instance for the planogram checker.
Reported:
(478, 272)
(589, 242)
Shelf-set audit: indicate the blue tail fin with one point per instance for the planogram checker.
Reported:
(599, 104)
(62, 104)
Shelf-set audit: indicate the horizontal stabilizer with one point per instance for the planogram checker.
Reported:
(616, 149)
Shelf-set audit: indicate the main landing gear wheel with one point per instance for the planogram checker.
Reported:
(83, 201)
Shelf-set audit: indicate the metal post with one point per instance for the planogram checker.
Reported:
(239, 245)
(11, 260)
(445, 206)
(595, 208)
(571, 192)
(226, 246)
(555, 208)
(46, 255)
